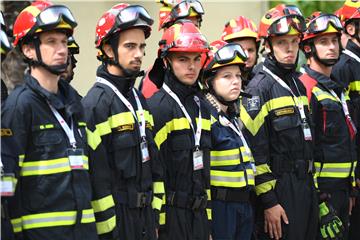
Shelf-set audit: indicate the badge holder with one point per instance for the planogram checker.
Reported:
(7, 185)
(198, 159)
(144, 150)
(304, 124)
(76, 158)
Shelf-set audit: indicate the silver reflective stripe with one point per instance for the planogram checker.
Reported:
(48, 167)
(87, 215)
(225, 158)
(227, 179)
(250, 177)
(48, 220)
(335, 170)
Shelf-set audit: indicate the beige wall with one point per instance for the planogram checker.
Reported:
(87, 13)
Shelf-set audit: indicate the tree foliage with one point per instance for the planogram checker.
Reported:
(307, 6)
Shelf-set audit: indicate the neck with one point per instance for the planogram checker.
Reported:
(223, 107)
(318, 67)
(355, 41)
(46, 79)
(114, 70)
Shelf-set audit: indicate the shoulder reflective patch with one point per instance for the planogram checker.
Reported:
(126, 127)
(253, 104)
(284, 111)
(6, 132)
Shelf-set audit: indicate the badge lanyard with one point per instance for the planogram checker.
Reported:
(142, 124)
(349, 122)
(237, 130)
(299, 104)
(351, 54)
(197, 154)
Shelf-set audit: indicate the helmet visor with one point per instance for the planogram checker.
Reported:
(228, 53)
(283, 25)
(133, 13)
(321, 23)
(183, 9)
(4, 40)
(53, 15)
(194, 42)
(2, 22)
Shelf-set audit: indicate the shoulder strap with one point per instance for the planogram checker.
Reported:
(309, 84)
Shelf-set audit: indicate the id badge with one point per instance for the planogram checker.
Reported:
(307, 131)
(198, 160)
(7, 185)
(144, 151)
(76, 158)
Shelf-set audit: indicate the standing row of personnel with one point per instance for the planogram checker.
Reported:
(200, 141)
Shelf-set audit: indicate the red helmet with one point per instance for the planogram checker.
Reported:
(120, 17)
(223, 54)
(282, 20)
(240, 27)
(173, 10)
(321, 23)
(349, 11)
(183, 36)
(42, 16)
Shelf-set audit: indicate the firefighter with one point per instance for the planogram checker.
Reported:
(335, 154)
(53, 191)
(182, 126)
(277, 121)
(73, 49)
(347, 72)
(126, 175)
(170, 12)
(232, 165)
(243, 31)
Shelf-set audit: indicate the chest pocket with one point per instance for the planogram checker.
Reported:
(48, 141)
(126, 152)
(333, 119)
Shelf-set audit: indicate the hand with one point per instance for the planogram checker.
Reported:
(273, 218)
(331, 226)
(210, 237)
(352, 201)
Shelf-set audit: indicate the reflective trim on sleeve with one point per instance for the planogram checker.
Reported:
(265, 187)
(333, 170)
(21, 160)
(156, 203)
(103, 204)
(162, 219)
(209, 213)
(354, 86)
(158, 187)
(322, 95)
(106, 226)
(261, 169)
(51, 166)
(208, 194)
(17, 225)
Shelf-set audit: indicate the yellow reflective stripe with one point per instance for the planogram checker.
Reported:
(213, 120)
(250, 176)
(227, 179)
(173, 125)
(162, 218)
(50, 166)
(46, 126)
(82, 124)
(106, 226)
(321, 95)
(247, 157)
(93, 138)
(205, 124)
(148, 117)
(17, 225)
(158, 187)
(265, 187)
(333, 170)
(225, 157)
(208, 194)
(355, 86)
(261, 169)
(21, 159)
(209, 213)
(103, 204)
(56, 219)
(156, 203)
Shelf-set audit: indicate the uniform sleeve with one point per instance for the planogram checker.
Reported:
(98, 130)
(254, 114)
(16, 121)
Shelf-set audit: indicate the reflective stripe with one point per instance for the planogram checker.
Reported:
(321, 95)
(227, 179)
(265, 187)
(355, 86)
(162, 219)
(177, 124)
(209, 213)
(103, 204)
(106, 226)
(225, 158)
(208, 194)
(158, 187)
(81, 124)
(56, 219)
(262, 169)
(253, 125)
(93, 138)
(16, 224)
(333, 170)
(156, 203)
(21, 159)
(52, 166)
(46, 126)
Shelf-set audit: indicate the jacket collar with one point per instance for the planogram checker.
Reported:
(284, 74)
(351, 46)
(322, 79)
